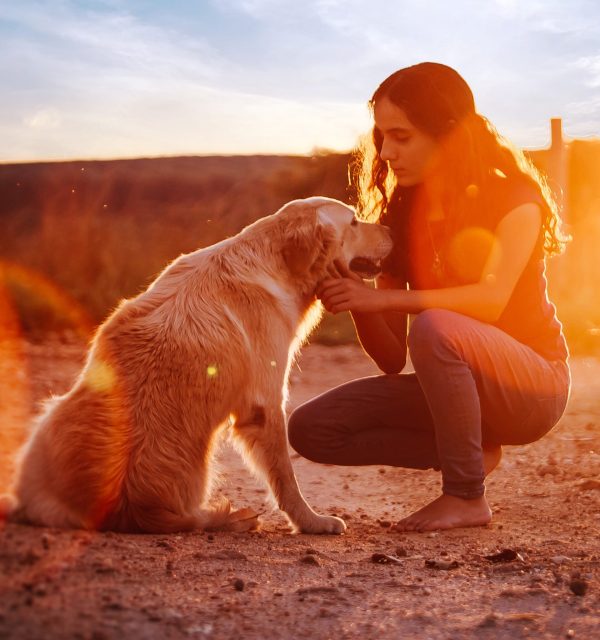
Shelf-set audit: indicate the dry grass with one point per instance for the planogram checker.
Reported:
(77, 237)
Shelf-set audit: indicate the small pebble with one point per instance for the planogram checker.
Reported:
(578, 586)
(588, 485)
(444, 565)
(238, 584)
(310, 559)
(491, 620)
(165, 544)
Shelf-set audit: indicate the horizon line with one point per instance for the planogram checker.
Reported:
(318, 151)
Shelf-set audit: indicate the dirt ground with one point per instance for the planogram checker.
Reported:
(542, 580)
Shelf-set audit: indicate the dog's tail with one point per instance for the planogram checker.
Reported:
(138, 518)
(245, 519)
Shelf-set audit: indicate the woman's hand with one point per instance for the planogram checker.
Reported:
(346, 291)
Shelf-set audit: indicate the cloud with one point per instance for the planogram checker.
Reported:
(591, 65)
(115, 39)
(107, 84)
(116, 78)
(43, 119)
(196, 121)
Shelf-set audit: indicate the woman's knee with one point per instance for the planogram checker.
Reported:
(431, 328)
(316, 430)
(300, 424)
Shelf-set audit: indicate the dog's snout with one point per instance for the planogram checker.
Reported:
(388, 240)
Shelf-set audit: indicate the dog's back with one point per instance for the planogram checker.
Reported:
(128, 448)
(209, 343)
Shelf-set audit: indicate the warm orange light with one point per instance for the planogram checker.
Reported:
(16, 404)
(15, 398)
(41, 289)
(469, 251)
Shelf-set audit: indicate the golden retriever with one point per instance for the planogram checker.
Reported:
(206, 348)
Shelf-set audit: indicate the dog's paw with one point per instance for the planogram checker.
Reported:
(323, 524)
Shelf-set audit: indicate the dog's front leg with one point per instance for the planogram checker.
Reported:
(264, 439)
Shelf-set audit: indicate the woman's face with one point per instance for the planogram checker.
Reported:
(408, 151)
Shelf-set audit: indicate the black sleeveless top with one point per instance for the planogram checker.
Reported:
(529, 316)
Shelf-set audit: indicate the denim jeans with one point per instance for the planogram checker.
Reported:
(473, 386)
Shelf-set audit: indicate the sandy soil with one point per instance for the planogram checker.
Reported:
(270, 584)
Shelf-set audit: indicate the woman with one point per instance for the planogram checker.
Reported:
(472, 223)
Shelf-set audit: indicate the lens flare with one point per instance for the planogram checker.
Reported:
(100, 377)
(469, 251)
(39, 290)
(15, 400)
(16, 403)
(472, 191)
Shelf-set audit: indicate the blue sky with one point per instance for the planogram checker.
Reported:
(115, 78)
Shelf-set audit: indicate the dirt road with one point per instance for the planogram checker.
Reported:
(368, 583)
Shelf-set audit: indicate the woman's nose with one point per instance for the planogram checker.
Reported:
(387, 152)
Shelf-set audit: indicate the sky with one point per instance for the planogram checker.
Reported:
(83, 79)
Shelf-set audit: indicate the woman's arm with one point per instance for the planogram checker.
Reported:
(514, 241)
(383, 335)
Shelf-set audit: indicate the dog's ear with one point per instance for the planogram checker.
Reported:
(300, 241)
(308, 244)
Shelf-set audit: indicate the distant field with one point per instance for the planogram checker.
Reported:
(76, 237)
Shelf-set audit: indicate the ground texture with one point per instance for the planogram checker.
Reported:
(533, 572)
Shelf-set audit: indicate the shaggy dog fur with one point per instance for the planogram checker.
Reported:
(207, 347)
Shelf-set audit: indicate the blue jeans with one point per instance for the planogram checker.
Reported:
(474, 386)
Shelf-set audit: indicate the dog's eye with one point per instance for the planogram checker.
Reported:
(354, 222)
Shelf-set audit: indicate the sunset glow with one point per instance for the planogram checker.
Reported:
(115, 79)
(41, 290)
(14, 388)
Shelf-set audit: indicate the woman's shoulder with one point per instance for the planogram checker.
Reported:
(511, 192)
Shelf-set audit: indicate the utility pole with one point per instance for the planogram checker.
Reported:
(558, 166)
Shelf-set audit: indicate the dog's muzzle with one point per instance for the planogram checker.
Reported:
(366, 268)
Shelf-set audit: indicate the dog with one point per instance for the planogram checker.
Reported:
(206, 348)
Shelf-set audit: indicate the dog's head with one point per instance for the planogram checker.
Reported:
(318, 231)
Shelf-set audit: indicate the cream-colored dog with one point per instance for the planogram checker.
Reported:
(207, 346)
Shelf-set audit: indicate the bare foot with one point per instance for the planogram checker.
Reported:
(447, 512)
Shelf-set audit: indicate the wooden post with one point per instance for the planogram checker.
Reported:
(557, 166)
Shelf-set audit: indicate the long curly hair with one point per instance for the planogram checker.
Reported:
(437, 100)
